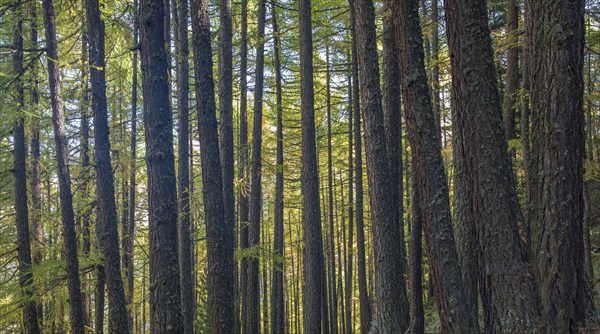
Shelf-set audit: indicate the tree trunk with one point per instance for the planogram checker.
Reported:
(183, 168)
(435, 69)
(30, 317)
(243, 166)
(165, 306)
(106, 211)
(365, 302)
(506, 285)
(226, 123)
(512, 68)
(64, 175)
(277, 289)
(314, 267)
(219, 238)
(390, 289)
(348, 277)
(556, 215)
(417, 315)
(99, 300)
(253, 325)
(430, 173)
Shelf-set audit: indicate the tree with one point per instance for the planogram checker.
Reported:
(165, 306)
(315, 304)
(390, 289)
(429, 172)
(556, 215)
(64, 175)
(219, 236)
(106, 224)
(30, 316)
(183, 167)
(277, 290)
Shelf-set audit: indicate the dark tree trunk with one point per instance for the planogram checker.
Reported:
(99, 300)
(464, 224)
(64, 175)
(348, 277)
(314, 266)
(365, 302)
(36, 183)
(332, 291)
(165, 306)
(243, 167)
(557, 160)
(506, 284)
(525, 139)
(512, 68)
(226, 123)
(390, 288)
(30, 316)
(183, 168)
(435, 69)
(219, 237)
(253, 324)
(132, 170)
(391, 103)
(106, 211)
(277, 289)
(417, 315)
(430, 173)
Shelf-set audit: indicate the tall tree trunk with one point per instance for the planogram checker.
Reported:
(219, 238)
(512, 68)
(64, 175)
(556, 215)
(36, 183)
(435, 69)
(314, 266)
(417, 315)
(106, 211)
(226, 122)
(505, 281)
(390, 289)
(30, 317)
(430, 173)
(333, 293)
(348, 277)
(525, 138)
(391, 103)
(365, 301)
(165, 306)
(99, 295)
(253, 325)
(243, 166)
(183, 168)
(277, 289)
(132, 169)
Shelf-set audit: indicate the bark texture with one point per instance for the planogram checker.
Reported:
(430, 173)
(556, 40)
(219, 236)
(165, 305)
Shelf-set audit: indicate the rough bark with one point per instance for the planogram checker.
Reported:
(512, 68)
(219, 237)
(505, 281)
(435, 69)
(106, 211)
(556, 40)
(99, 295)
(64, 175)
(226, 119)
(390, 289)
(277, 290)
(417, 315)
(165, 306)
(314, 266)
(430, 173)
(30, 317)
(365, 301)
(183, 167)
